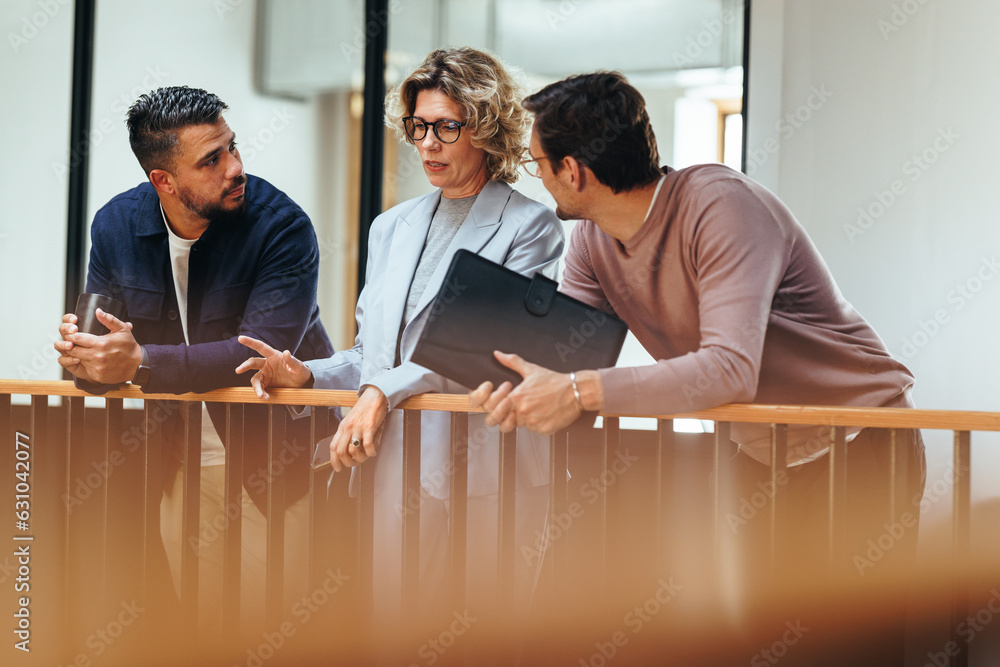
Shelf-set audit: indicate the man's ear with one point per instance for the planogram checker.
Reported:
(163, 181)
(576, 171)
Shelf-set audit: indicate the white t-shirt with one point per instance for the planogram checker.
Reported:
(213, 452)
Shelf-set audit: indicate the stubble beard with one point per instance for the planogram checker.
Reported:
(215, 211)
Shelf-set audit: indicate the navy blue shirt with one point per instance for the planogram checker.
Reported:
(256, 276)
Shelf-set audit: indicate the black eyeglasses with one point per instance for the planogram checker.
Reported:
(447, 131)
(532, 166)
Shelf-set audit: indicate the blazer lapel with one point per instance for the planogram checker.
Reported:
(408, 238)
(479, 227)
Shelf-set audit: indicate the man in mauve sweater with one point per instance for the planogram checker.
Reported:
(724, 288)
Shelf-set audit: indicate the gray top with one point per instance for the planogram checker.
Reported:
(448, 217)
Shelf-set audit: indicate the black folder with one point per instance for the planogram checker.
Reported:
(483, 306)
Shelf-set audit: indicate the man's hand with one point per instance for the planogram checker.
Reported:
(109, 359)
(360, 432)
(274, 369)
(543, 402)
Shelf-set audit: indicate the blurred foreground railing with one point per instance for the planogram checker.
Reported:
(83, 580)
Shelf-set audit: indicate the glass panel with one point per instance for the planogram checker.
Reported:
(35, 107)
(696, 63)
(697, 60)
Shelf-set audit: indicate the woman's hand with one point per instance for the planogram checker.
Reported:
(360, 432)
(274, 369)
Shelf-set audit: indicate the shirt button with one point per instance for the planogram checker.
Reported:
(172, 315)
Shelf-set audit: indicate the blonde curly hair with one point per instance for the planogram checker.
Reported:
(487, 93)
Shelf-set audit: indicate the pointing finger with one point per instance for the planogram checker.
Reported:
(256, 345)
(111, 322)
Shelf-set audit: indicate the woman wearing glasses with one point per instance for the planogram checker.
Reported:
(461, 110)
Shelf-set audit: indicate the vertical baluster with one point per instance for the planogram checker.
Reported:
(191, 509)
(154, 588)
(411, 514)
(459, 494)
(961, 516)
(779, 478)
(898, 476)
(666, 457)
(44, 535)
(124, 480)
(506, 506)
(114, 501)
(232, 534)
(837, 493)
(320, 520)
(722, 487)
(82, 564)
(366, 536)
(609, 515)
(557, 550)
(275, 549)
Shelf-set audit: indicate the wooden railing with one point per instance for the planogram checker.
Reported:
(83, 487)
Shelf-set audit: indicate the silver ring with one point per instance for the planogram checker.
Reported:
(355, 442)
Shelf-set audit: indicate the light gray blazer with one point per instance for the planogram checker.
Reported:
(503, 226)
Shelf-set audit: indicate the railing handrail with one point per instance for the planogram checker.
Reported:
(951, 420)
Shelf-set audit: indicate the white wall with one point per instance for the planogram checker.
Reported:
(902, 127)
(35, 69)
(890, 106)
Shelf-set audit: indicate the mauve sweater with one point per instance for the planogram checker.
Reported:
(725, 289)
